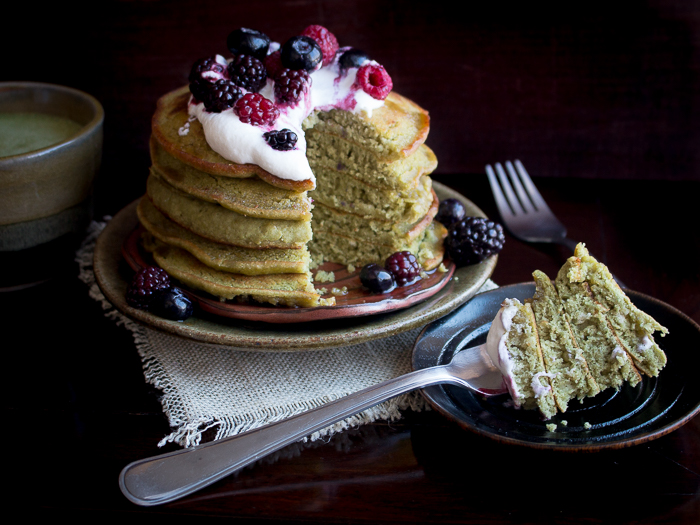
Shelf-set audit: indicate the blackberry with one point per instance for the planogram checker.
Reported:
(208, 69)
(352, 58)
(273, 64)
(290, 85)
(248, 72)
(173, 304)
(404, 267)
(450, 211)
(253, 108)
(473, 239)
(301, 52)
(377, 279)
(220, 95)
(248, 42)
(147, 284)
(326, 41)
(282, 140)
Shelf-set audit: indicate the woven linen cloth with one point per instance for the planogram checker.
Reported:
(228, 391)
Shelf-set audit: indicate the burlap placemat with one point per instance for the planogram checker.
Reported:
(228, 391)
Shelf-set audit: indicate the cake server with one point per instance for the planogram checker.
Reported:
(168, 477)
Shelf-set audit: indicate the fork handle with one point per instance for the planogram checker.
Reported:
(167, 477)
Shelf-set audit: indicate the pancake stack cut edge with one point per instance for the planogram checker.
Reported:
(242, 234)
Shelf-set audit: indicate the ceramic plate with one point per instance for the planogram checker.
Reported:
(612, 419)
(113, 274)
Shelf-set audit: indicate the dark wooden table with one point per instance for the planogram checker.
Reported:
(602, 106)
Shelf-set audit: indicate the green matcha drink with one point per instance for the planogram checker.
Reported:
(25, 132)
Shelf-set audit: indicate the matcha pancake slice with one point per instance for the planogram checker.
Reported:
(528, 381)
(252, 196)
(393, 131)
(633, 327)
(374, 231)
(291, 289)
(329, 246)
(183, 138)
(335, 153)
(218, 224)
(344, 193)
(562, 356)
(224, 257)
(607, 359)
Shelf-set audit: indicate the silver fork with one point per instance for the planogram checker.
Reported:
(523, 210)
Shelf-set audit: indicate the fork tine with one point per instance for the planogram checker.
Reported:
(508, 190)
(537, 199)
(524, 198)
(501, 202)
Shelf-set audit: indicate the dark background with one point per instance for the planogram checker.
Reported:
(593, 90)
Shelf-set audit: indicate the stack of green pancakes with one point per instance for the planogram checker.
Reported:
(240, 233)
(577, 336)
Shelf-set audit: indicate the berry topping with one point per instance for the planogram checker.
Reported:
(253, 108)
(248, 42)
(147, 284)
(377, 279)
(220, 95)
(404, 267)
(173, 304)
(248, 72)
(290, 85)
(472, 239)
(352, 58)
(282, 140)
(209, 69)
(374, 80)
(273, 64)
(450, 211)
(326, 41)
(301, 52)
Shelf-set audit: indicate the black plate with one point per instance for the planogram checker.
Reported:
(612, 419)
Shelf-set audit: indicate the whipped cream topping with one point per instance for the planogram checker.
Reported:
(496, 344)
(243, 143)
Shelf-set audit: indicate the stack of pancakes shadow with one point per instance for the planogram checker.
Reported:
(577, 336)
(240, 233)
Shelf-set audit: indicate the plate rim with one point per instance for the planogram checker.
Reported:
(260, 336)
(435, 394)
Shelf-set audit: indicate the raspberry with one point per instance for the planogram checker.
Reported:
(273, 64)
(374, 80)
(376, 278)
(248, 72)
(290, 85)
(404, 267)
(472, 239)
(146, 285)
(253, 108)
(220, 95)
(326, 41)
(282, 140)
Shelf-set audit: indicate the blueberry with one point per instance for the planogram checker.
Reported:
(450, 211)
(173, 304)
(377, 279)
(352, 58)
(301, 52)
(248, 42)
